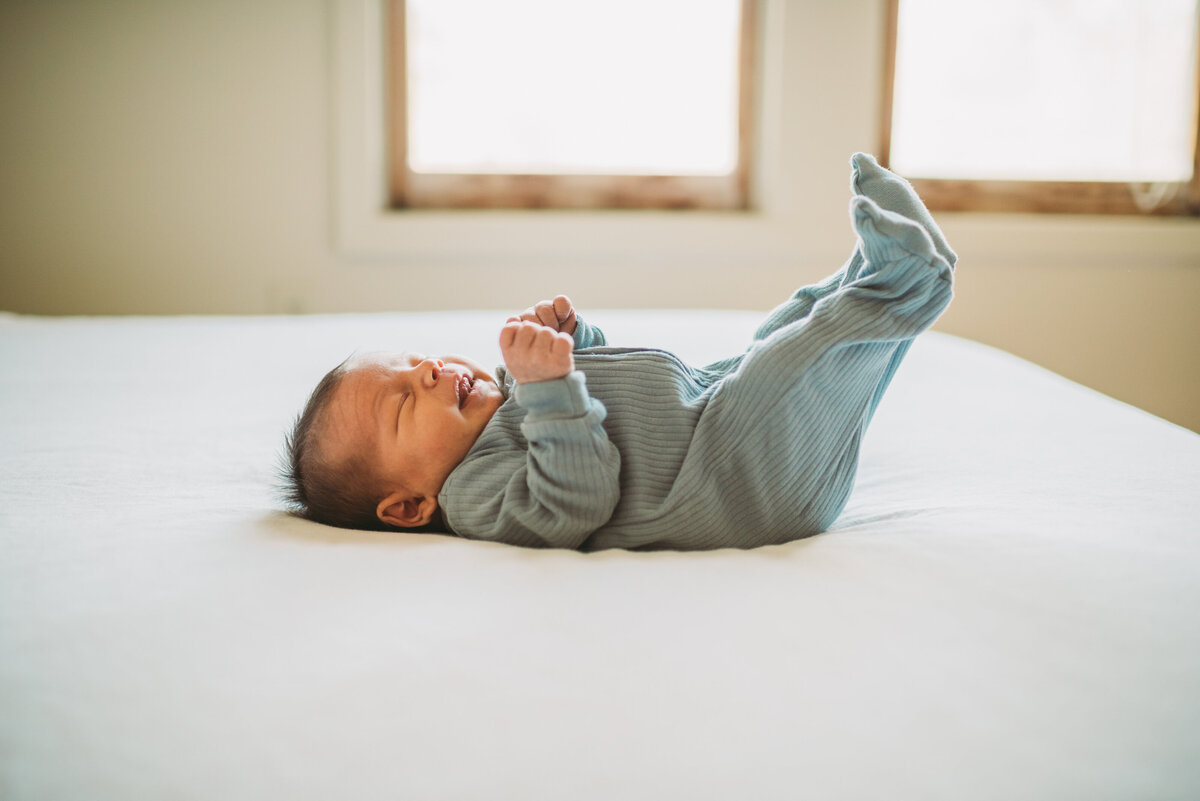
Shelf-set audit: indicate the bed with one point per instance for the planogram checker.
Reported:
(1007, 608)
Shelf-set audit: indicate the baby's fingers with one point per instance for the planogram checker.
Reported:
(508, 334)
(558, 314)
(526, 335)
(561, 345)
(544, 312)
(564, 313)
(541, 313)
(547, 343)
(534, 352)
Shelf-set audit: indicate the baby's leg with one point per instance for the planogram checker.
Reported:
(801, 399)
(883, 240)
(800, 304)
(891, 193)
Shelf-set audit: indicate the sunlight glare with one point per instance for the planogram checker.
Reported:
(1045, 89)
(545, 86)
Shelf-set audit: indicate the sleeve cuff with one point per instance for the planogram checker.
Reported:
(561, 398)
(587, 335)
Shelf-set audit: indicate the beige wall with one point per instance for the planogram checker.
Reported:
(164, 157)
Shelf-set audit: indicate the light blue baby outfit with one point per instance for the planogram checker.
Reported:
(635, 449)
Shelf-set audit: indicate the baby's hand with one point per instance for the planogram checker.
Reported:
(534, 352)
(558, 314)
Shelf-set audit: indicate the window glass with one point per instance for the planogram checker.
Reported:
(1084, 90)
(628, 87)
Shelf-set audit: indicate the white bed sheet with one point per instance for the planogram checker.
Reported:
(1007, 608)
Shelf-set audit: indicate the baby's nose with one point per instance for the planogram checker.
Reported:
(433, 369)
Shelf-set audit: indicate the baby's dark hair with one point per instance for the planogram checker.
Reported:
(335, 492)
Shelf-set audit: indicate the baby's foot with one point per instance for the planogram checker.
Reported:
(908, 284)
(888, 238)
(895, 194)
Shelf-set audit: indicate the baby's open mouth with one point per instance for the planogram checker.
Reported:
(465, 384)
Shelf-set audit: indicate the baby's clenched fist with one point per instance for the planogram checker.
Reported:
(534, 352)
(558, 314)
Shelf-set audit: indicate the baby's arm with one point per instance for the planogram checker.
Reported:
(560, 315)
(564, 484)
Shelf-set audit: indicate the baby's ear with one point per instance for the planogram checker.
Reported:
(406, 511)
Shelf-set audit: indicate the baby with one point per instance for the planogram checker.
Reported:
(573, 444)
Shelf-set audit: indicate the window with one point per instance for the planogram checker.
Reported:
(540, 103)
(1045, 105)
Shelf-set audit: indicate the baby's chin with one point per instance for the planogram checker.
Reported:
(491, 399)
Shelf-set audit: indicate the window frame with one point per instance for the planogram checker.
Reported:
(411, 190)
(1180, 198)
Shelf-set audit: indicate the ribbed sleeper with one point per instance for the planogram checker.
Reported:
(636, 449)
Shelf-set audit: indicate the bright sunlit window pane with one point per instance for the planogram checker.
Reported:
(545, 86)
(1093, 90)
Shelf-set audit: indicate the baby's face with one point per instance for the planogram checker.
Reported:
(414, 417)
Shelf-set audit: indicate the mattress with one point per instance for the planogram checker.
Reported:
(1007, 608)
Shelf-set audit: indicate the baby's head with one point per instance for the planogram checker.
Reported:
(380, 435)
